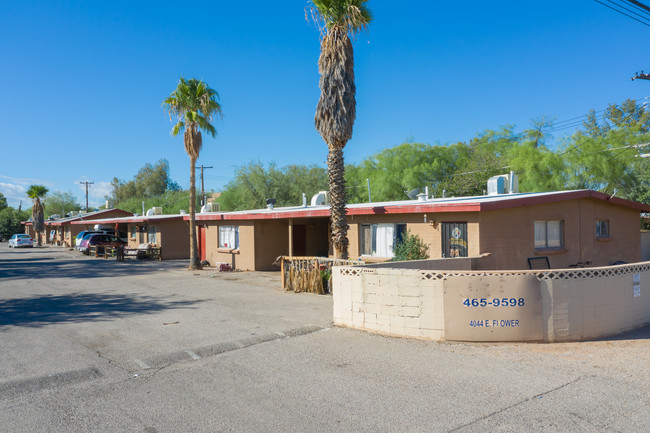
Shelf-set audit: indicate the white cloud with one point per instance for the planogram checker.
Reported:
(14, 193)
(15, 187)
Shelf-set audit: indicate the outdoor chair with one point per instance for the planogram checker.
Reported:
(538, 263)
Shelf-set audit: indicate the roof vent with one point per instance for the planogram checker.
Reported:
(270, 202)
(320, 199)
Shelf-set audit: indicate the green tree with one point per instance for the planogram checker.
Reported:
(605, 155)
(10, 222)
(151, 180)
(402, 168)
(194, 104)
(485, 156)
(411, 247)
(60, 203)
(36, 193)
(336, 109)
(253, 184)
(3, 201)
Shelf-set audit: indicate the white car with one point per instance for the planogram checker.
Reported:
(21, 240)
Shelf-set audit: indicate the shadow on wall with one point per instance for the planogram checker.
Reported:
(76, 307)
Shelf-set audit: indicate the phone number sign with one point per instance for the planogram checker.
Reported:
(493, 308)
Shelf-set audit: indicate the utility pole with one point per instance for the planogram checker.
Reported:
(202, 187)
(87, 183)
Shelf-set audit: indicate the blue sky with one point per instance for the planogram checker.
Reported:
(82, 82)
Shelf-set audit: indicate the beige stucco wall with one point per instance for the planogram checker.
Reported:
(508, 234)
(429, 231)
(242, 258)
(174, 238)
(271, 241)
(506, 237)
(552, 306)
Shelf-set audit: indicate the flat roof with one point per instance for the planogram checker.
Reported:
(435, 205)
(133, 219)
(82, 218)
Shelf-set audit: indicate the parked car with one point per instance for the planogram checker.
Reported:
(21, 240)
(99, 240)
(80, 236)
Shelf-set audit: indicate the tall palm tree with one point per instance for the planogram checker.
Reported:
(36, 193)
(194, 103)
(336, 110)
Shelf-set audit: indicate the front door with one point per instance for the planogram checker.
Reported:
(300, 240)
(454, 239)
(202, 246)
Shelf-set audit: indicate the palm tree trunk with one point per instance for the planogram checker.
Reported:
(195, 263)
(336, 173)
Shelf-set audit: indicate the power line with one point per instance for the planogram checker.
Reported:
(644, 17)
(622, 13)
(639, 5)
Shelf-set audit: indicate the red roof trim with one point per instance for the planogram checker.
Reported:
(124, 220)
(461, 206)
(554, 198)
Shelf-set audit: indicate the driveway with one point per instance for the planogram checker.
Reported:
(95, 345)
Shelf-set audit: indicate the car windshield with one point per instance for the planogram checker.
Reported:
(86, 237)
(22, 236)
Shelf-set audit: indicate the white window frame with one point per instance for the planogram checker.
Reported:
(381, 233)
(549, 234)
(229, 235)
(152, 235)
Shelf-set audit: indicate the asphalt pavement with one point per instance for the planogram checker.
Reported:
(93, 345)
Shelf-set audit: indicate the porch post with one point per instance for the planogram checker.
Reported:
(290, 237)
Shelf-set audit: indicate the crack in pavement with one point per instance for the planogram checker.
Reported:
(526, 400)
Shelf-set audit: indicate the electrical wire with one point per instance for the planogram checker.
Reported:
(622, 13)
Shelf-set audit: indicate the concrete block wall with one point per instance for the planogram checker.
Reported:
(595, 306)
(396, 302)
(576, 304)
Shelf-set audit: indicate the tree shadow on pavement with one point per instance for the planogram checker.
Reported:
(44, 310)
(47, 267)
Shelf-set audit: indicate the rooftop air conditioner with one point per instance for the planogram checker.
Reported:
(503, 184)
(320, 199)
(157, 210)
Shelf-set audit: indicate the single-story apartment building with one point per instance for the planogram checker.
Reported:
(170, 232)
(568, 227)
(63, 231)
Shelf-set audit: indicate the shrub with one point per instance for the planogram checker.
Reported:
(411, 247)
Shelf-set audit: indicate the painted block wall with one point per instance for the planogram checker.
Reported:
(575, 304)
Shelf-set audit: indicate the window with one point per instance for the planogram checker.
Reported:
(152, 235)
(379, 239)
(229, 237)
(602, 228)
(134, 230)
(549, 234)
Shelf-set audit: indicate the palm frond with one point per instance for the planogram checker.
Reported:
(36, 192)
(349, 16)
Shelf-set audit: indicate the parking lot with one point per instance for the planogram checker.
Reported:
(146, 346)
